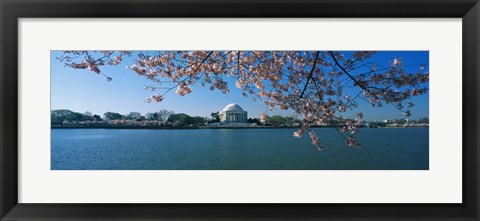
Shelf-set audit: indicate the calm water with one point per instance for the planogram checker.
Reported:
(236, 149)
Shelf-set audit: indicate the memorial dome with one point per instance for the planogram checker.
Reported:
(232, 107)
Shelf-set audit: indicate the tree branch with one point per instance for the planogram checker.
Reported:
(346, 72)
(309, 76)
(206, 57)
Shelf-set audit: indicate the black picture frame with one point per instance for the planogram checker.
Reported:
(12, 10)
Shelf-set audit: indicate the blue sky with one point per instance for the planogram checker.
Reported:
(81, 90)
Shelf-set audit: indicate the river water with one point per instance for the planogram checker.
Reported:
(236, 149)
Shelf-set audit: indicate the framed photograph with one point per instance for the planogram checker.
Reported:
(239, 110)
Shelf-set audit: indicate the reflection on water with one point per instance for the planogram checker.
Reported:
(236, 149)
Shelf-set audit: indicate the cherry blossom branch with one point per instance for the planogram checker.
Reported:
(346, 72)
(185, 79)
(310, 75)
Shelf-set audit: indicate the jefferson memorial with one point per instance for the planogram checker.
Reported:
(233, 113)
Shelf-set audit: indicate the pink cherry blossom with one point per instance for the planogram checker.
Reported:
(263, 118)
(157, 98)
(315, 140)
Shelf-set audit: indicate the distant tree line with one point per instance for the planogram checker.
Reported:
(423, 120)
(169, 119)
(161, 119)
(280, 121)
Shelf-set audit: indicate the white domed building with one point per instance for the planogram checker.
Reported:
(233, 113)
